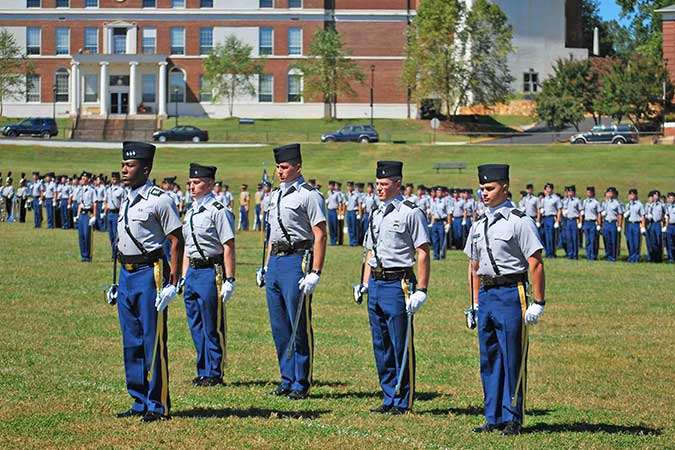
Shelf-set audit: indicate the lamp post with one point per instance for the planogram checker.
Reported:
(665, 85)
(372, 91)
(175, 100)
(54, 103)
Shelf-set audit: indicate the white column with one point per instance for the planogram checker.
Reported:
(74, 88)
(133, 88)
(103, 90)
(161, 103)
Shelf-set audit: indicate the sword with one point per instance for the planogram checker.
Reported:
(113, 300)
(307, 267)
(358, 296)
(219, 285)
(260, 273)
(617, 251)
(470, 312)
(406, 296)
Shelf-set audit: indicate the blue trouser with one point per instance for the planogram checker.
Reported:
(283, 296)
(562, 241)
(633, 241)
(590, 235)
(388, 323)
(111, 219)
(243, 218)
(571, 239)
(609, 235)
(549, 236)
(363, 227)
(257, 223)
(144, 336)
(654, 242)
(352, 228)
(670, 242)
(37, 212)
(206, 320)
(73, 213)
(502, 337)
(65, 220)
(49, 208)
(84, 236)
(438, 237)
(457, 232)
(333, 226)
(100, 223)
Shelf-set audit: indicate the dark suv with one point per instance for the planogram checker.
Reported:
(33, 126)
(608, 134)
(352, 133)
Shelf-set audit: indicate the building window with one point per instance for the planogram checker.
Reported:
(205, 41)
(295, 41)
(148, 88)
(119, 80)
(62, 3)
(149, 41)
(178, 3)
(119, 41)
(294, 87)
(206, 4)
(149, 3)
(33, 3)
(61, 83)
(91, 3)
(530, 81)
(33, 40)
(91, 88)
(33, 88)
(91, 40)
(62, 41)
(295, 3)
(176, 86)
(266, 3)
(265, 83)
(205, 92)
(266, 41)
(178, 41)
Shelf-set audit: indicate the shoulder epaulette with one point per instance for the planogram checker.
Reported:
(218, 205)
(410, 204)
(156, 191)
(481, 217)
(518, 213)
(308, 186)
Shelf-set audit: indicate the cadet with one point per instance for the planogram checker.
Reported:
(611, 211)
(590, 217)
(362, 216)
(114, 196)
(549, 216)
(149, 217)
(208, 266)
(244, 207)
(86, 217)
(74, 199)
(439, 219)
(35, 188)
(257, 198)
(295, 258)
(469, 214)
(572, 221)
(99, 188)
(397, 234)
(503, 245)
(370, 203)
(530, 206)
(332, 205)
(227, 197)
(655, 218)
(7, 193)
(47, 197)
(457, 211)
(353, 214)
(670, 227)
(218, 192)
(22, 195)
(635, 226)
(64, 191)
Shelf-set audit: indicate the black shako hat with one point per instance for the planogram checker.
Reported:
(389, 169)
(199, 171)
(572, 188)
(290, 152)
(115, 175)
(633, 191)
(492, 172)
(85, 174)
(590, 188)
(137, 150)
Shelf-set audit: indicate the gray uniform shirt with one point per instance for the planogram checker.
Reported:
(512, 239)
(35, 188)
(267, 197)
(530, 205)
(64, 191)
(611, 209)
(635, 210)
(333, 200)
(22, 192)
(670, 209)
(656, 211)
(75, 194)
(439, 209)
(458, 208)
(114, 196)
(228, 198)
(353, 200)
(49, 189)
(573, 208)
(550, 205)
(8, 192)
(370, 202)
(100, 192)
(470, 207)
(300, 208)
(151, 216)
(213, 226)
(590, 208)
(394, 233)
(87, 197)
(424, 203)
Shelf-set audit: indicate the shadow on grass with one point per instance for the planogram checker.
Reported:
(478, 411)
(580, 427)
(206, 413)
(275, 383)
(376, 394)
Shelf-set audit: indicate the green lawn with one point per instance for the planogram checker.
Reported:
(601, 374)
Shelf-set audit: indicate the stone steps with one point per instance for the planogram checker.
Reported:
(114, 129)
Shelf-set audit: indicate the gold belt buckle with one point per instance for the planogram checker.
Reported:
(129, 267)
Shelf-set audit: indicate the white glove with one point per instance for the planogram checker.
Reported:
(359, 290)
(165, 296)
(649, 216)
(260, 277)
(538, 224)
(579, 226)
(556, 225)
(345, 230)
(111, 295)
(415, 302)
(102, 216)
(564, 212)
(463, 222)
(643, 230)
(180, 285)
(446, 227)
(541, 210)
(618, 229)
(664, 229)
(598, 227)
(533, 313)
(260, 217)
(226, 291)
(40, 202)
(92, 221)
(75, 219)
(358, 216)
(308, 283)
(604, 213)
(626, 214)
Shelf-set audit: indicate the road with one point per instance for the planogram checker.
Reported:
(541, 134)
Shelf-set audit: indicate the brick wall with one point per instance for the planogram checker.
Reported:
(669, 46)
(373, 39)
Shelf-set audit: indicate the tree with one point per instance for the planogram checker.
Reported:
(230, 71)
(644, 34)
(14, 68)
(590, 18)
(328, 71)
(564, 97)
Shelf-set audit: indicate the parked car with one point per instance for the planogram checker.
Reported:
(181, 133)
(608, 134)
(32, 126)
(352, 133)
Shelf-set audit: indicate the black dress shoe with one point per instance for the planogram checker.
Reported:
(129, 413)
(210, 381)
(487, 428)
(152, 416)
(298, 395)
(197, 381)
(382, 409)
(398, 411)
(511, 429)
(279, 391)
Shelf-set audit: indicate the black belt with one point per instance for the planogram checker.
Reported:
(135, 262)
(113, 211)
(487, 282)
(298, 247)
(636, 221)
(394, 274)
(442, 220)
(590, 220)
(199, 263)
(86, 211)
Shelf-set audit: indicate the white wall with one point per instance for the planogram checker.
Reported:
(292, 110)
(13, 4)
(248, 35)
(235, 4)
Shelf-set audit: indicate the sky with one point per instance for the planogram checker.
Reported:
(609, 9)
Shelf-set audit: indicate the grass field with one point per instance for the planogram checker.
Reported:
(601, 368)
